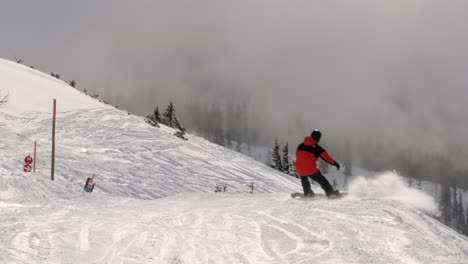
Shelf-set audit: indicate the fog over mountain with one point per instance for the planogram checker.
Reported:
(393, 71)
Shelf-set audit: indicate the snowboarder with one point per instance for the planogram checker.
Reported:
(306, 164)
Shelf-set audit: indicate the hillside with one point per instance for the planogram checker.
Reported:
(154, 200)
(128, 157)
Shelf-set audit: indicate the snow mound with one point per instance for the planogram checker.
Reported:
(390, 185)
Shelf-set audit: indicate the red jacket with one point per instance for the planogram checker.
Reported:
(306, 157)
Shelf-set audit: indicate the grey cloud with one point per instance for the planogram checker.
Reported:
(394, 70)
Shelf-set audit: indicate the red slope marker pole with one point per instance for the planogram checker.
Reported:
(35, 149)
(53, 141)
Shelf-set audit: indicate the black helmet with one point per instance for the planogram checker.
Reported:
(316, 135)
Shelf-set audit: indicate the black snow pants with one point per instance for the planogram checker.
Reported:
(318, 177)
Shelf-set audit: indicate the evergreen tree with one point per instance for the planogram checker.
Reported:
(229, 125)
(292, 169)
(181, 132)
(153, 119)
(56, 75)
(445, 203)
(239, 121)
(228, 137)
(286, 163)
(276, 157)
(72, 83)
(150, 120)
(466, 220)
(455, 205)
(168, 116)
(461, 216)
(157, 115)
(178, 125)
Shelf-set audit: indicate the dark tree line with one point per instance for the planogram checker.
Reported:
(453, 211)
(279, 159)
(224, 124)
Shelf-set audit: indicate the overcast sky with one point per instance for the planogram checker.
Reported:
(394, 70)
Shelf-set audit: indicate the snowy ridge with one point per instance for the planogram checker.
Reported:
(30, 90)
(154, 200)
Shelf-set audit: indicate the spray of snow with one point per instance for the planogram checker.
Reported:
(390, 185)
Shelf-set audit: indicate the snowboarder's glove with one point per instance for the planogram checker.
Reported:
(337, 165)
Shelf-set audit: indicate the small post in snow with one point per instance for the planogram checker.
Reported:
(251, 187)
(53, 141)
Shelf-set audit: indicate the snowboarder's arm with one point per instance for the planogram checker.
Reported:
(322, 153)
(326, 157)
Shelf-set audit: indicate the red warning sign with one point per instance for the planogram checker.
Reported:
(27, 167)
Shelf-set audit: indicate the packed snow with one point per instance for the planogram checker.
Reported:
(154, 200)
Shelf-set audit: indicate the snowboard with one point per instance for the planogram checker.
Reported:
(302, 196)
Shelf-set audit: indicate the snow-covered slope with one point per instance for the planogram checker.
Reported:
(154, 200)
(128, 157)
(202, 228)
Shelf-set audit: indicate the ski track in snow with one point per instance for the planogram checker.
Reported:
(154, 200)
(227, 228)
